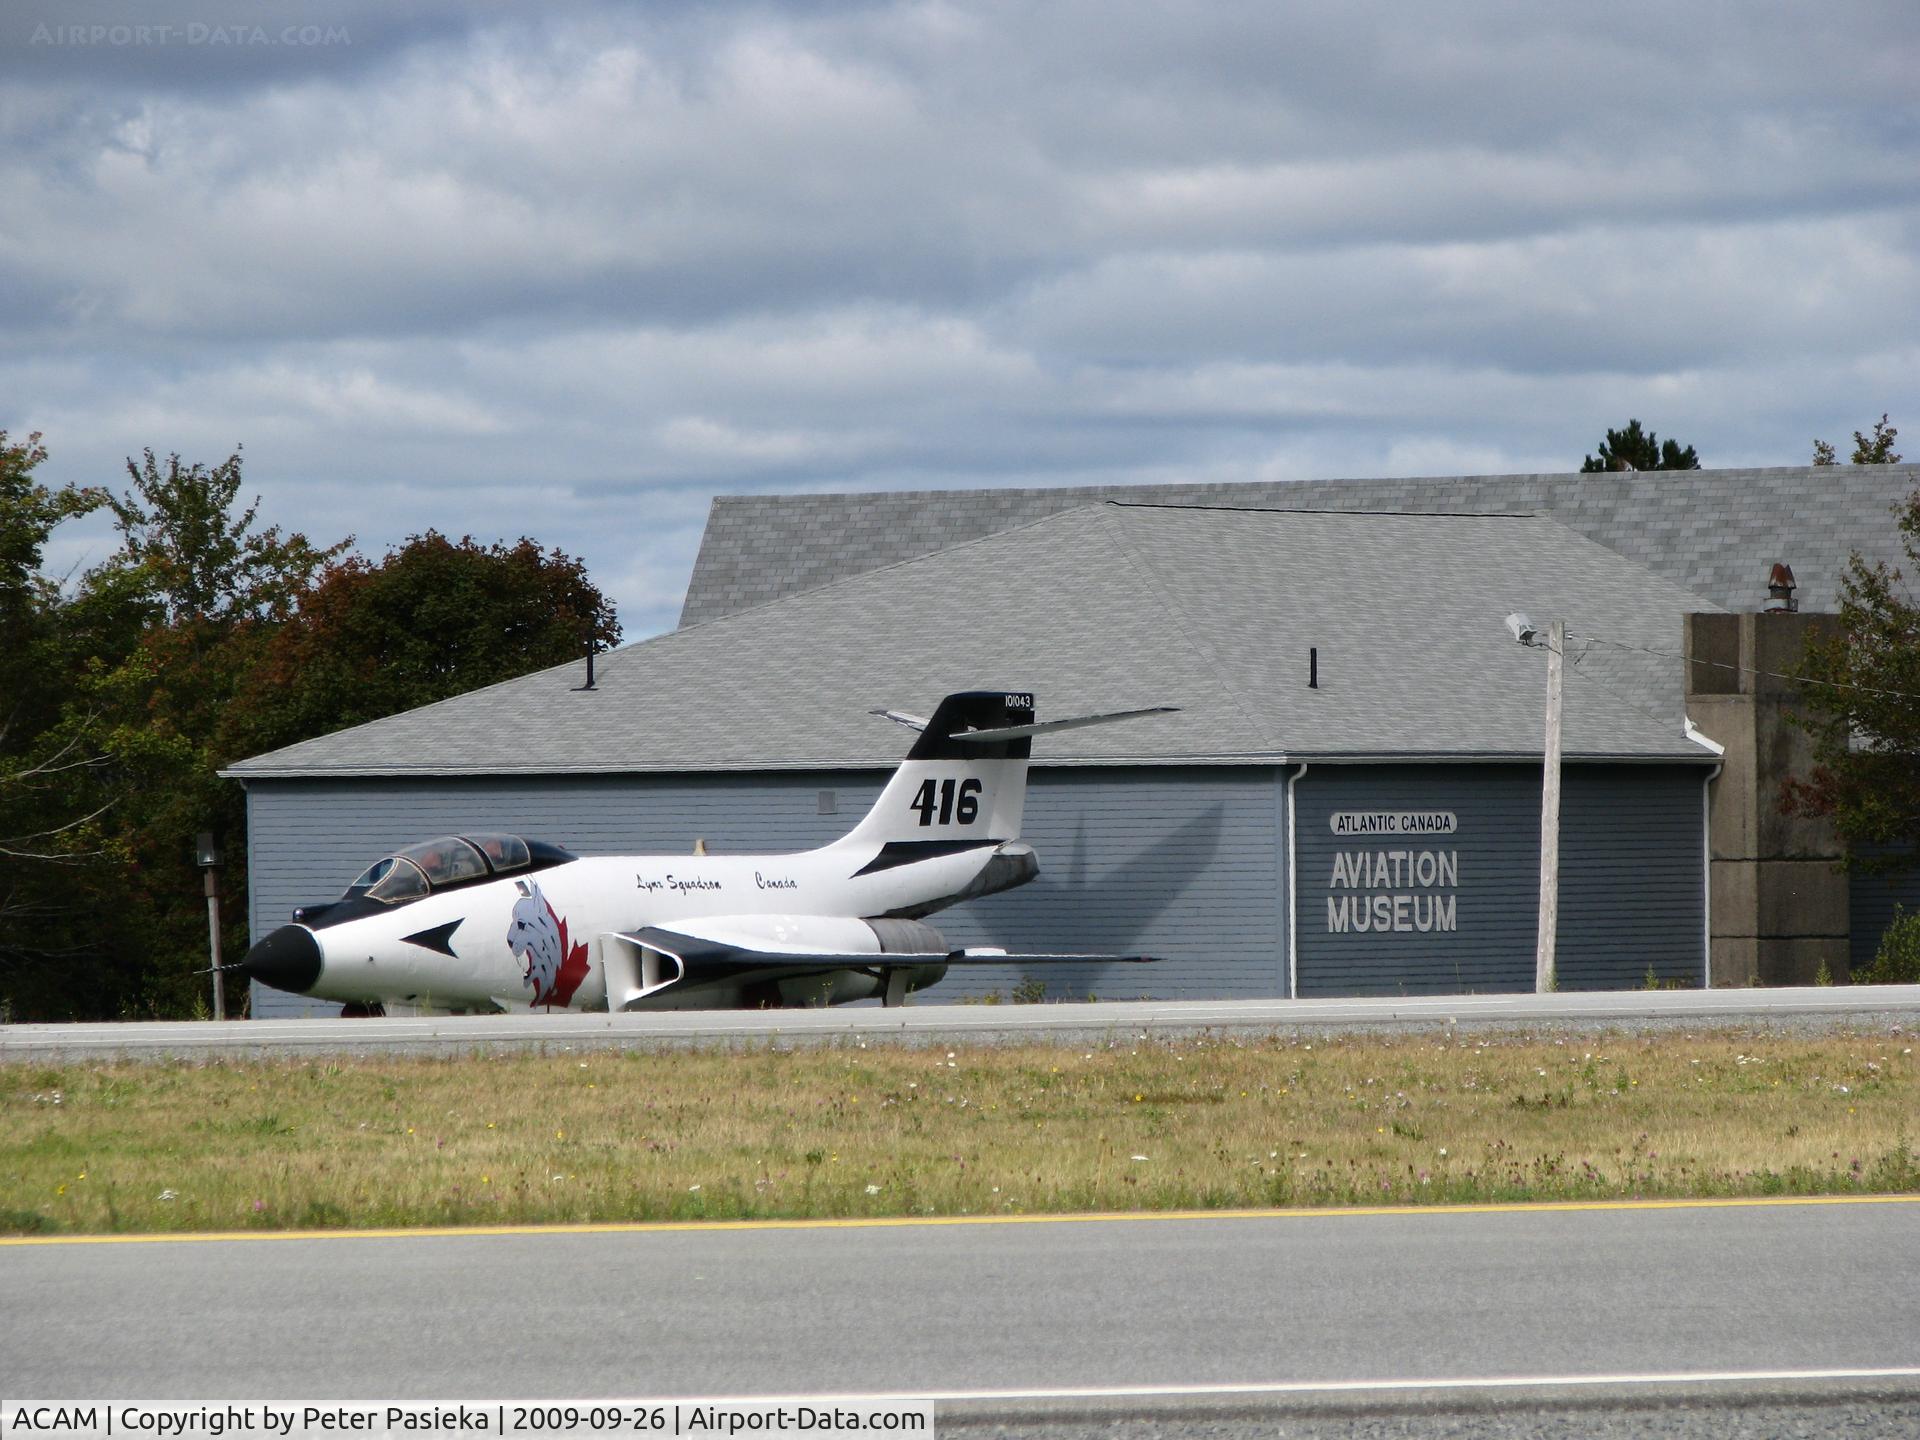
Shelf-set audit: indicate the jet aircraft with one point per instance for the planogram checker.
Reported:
(495, 921)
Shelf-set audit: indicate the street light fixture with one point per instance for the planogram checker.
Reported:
(206, 854)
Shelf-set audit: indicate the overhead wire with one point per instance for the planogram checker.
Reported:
(1592, 679)
(1748, 669)
(1573, 658)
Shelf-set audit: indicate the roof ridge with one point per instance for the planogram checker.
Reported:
(1604, 476)
(1330, 510)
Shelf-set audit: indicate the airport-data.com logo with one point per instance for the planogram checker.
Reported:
(234, 37)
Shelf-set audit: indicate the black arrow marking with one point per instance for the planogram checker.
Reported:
(439, 938)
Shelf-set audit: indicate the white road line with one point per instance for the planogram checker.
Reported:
(1283, 1387)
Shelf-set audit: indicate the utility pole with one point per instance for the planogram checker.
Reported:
(1543, 975)
(207, 853)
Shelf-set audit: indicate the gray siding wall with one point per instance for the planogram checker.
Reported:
(1871, 899)
(1632, 888)
(1184, 863)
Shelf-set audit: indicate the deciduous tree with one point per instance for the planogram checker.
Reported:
(167, 631)
(1874, 449)
(1861, 704)
(434, 618)
(49, 819)
(204, 638)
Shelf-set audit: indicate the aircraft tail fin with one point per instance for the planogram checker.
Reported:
(964, 782)
(952, 787)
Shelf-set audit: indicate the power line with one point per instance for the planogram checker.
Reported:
(1599, 684)
(1749, 669)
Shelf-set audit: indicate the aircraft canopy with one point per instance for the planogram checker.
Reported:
(441, 864)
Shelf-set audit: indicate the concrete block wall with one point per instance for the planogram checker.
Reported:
(1780, 902)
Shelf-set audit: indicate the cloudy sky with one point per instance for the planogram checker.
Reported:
(569, 270)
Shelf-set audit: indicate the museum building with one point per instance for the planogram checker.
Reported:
(1347, 801)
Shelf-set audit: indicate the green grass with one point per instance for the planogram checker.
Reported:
(876, 1131)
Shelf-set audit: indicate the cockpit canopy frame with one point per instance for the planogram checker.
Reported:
(449, 862)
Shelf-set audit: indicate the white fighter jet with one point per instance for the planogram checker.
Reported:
(492, 921)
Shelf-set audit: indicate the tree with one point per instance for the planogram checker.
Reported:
(30, 602)
(434, 619)
(160, 640)
(29, 511)
(1859, 688)
(200, 560)
(1874, 449)
(1632, 449)
(48, 829)
(207, 637)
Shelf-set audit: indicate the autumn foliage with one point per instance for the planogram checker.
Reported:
(203, 638)
(1859, 690)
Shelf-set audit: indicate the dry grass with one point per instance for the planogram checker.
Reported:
(1328, 1121)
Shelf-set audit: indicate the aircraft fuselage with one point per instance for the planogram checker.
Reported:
(495, 920)
(525, 940)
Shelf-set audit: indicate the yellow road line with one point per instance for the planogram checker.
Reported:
(644, 1227)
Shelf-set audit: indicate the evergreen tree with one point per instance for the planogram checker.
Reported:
(1634, 449)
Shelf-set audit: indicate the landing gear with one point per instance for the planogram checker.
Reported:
(896, 993)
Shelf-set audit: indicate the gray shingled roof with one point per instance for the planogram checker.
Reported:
(1714, 532)
(1108, 607)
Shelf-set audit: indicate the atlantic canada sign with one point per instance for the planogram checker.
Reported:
(1393, 822)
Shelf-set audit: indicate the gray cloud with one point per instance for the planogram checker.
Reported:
(571, 271)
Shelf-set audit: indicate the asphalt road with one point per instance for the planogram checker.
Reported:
(934, 1024)
(1144, 1314)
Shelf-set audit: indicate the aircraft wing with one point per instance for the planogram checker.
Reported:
(645, 962)
(718, 958)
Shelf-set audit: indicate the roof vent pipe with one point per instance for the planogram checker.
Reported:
(589, 685)
(1780, 588)
(1313, 667)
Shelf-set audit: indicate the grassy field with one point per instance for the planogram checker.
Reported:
(1220, 1123)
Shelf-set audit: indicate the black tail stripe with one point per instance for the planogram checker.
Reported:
(896, 853)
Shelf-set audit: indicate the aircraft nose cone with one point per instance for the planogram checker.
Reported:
(288, 959)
